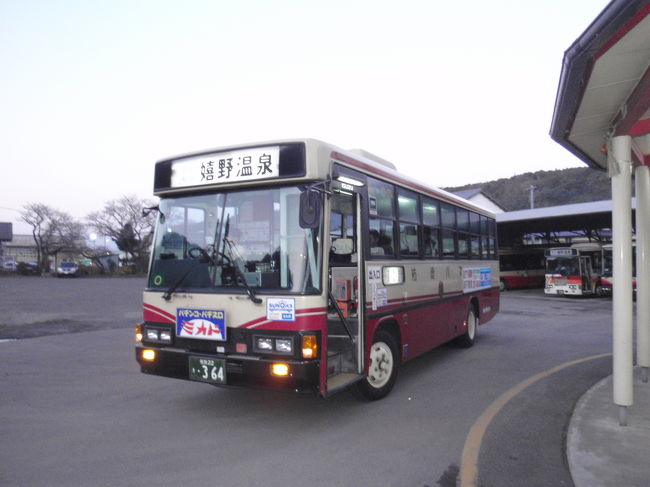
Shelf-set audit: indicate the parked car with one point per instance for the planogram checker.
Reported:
(9, 265)
(27, 268)
(67, 269)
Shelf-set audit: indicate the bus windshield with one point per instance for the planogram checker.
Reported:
(564, 266)
(240, 239)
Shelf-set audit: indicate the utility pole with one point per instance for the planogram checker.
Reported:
(532, 189)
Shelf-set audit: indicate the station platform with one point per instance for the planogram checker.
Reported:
(601, 453)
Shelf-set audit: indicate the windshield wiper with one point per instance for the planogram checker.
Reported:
(238, 273)
(168, 294)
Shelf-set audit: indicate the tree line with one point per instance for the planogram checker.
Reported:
(123, 220)
(551, 188)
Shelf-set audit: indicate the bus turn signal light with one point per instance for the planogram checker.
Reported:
(138, 332)
(280, 369)
(309, 346)
(149, 355)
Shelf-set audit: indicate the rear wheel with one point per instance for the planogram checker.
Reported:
(471, 324)
(599, 291)
(382, 368)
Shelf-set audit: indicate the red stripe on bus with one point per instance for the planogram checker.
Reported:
(152, 313)
(299, 314)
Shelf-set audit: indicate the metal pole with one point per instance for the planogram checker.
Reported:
(620, 166)
(642, 182)
(532, 189)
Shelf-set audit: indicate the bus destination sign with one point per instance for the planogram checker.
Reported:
(226, 167)
(560, 252)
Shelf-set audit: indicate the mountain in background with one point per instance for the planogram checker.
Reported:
(553, 188)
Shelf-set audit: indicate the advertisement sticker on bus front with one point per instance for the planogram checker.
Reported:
(206, 324)
(226, 167)
(281, 309)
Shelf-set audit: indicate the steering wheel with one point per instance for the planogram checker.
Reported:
(198, 252)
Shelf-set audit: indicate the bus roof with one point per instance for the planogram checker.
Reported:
(358, 159)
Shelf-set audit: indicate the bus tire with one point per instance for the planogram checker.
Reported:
(466, 340)
(382, 368)
(503, 285)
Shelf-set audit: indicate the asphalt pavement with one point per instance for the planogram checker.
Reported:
(595, 449)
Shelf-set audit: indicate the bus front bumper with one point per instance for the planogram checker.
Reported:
(240, 370)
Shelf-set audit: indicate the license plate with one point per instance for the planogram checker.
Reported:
(211, 370)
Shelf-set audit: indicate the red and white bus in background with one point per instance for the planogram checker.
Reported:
(607, 274)
(299, 266)
(575, 270)
(521, 268)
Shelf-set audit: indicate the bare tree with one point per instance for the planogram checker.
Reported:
(123, 222)
(52, 230)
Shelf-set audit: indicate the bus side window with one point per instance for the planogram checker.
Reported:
(384, 232)
(431, 246)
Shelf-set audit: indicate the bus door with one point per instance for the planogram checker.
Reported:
(345, 315)
(587, 274)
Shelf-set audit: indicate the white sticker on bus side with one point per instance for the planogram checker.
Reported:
(476, 278)
(374, 279)
(382, 297)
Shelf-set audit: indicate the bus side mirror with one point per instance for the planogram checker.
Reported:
(310, 207)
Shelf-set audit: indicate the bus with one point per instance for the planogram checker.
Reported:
(298, 266)
(521, 268)
(575, 270)
(607, 274)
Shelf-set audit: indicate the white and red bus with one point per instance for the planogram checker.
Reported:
(299, 266)
(607, 272)
(521, 268)
(575, 270)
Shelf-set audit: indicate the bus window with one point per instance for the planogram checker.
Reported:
(408, 240)
(384, 232)
(463, 249)
(430, 214)
(474, 223)
(448, 244)
(462, 219)
(474, 247)
(381, 197)
(431, 245)
(408, 207)
(448, 214)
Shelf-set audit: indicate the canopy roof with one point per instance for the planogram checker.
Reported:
(604, 86)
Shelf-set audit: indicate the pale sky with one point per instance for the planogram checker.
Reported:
(93, 93)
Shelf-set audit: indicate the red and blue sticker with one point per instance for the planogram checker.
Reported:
(205, 324)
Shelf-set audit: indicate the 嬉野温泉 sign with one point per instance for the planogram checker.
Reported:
(226, 167)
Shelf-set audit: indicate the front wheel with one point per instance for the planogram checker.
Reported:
(382, 368)
(467, 339)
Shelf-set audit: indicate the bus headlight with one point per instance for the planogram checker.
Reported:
(284, 345)
(157, 335)
(264, 344)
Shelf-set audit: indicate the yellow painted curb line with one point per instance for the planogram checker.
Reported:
(469, 458)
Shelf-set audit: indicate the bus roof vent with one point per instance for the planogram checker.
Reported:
(372, 157)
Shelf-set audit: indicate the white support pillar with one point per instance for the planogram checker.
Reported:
(642, 181)
(620, 169)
